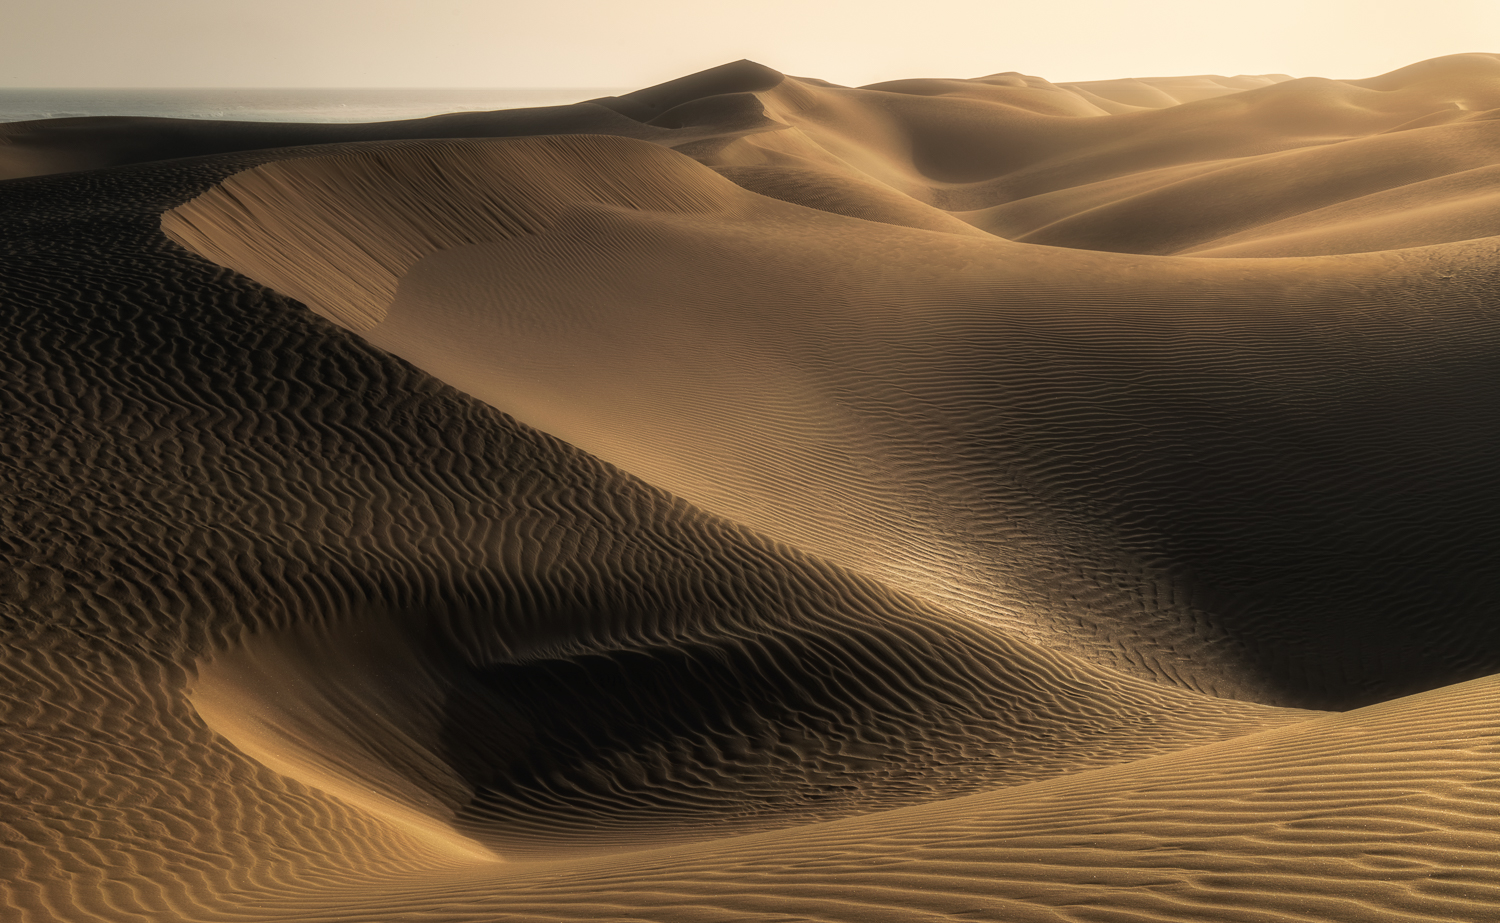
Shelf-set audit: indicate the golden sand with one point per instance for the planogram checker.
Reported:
(757, 499)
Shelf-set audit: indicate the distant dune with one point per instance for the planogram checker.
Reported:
(751, 498)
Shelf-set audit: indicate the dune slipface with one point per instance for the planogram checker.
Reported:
(753, 498)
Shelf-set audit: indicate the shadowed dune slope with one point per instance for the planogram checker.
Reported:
(680, 698)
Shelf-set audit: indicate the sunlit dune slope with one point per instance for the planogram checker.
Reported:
(1157, 166)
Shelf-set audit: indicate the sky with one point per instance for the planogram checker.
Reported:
(593, 43)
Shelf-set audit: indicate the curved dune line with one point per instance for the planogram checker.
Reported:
(351, 276)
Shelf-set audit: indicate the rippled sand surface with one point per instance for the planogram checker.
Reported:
(756, 499)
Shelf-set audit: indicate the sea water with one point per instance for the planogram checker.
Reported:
(283, 105)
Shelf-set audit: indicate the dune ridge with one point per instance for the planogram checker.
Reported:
(352, 278)
(754, 498)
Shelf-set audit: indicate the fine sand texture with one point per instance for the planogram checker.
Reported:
(751, 498)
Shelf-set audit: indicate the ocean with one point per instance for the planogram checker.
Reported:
(303, 104)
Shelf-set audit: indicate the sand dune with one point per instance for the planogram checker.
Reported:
(754, 498)
(859, 390)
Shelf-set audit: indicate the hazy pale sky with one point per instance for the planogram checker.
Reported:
(455, 43)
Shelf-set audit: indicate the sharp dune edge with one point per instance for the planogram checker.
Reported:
(753, 498)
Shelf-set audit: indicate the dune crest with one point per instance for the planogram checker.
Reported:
(351, 276)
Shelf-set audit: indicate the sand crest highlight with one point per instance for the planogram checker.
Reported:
(351, 276)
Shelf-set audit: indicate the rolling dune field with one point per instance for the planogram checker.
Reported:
(751, 498)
